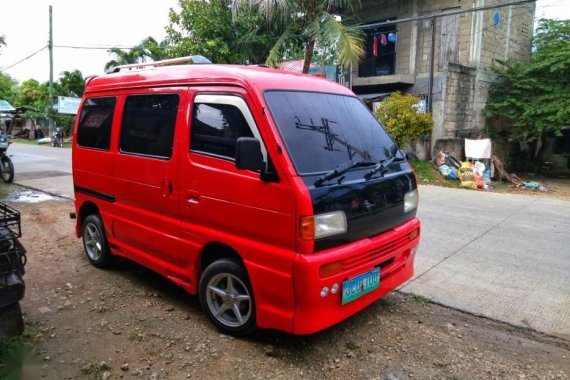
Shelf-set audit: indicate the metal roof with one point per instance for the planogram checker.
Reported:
(5, 106)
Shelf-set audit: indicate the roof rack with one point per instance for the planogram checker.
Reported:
(196, 59)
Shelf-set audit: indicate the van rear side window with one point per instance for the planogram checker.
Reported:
(95, 123)
(148, 125)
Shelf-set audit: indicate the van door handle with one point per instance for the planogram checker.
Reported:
(192, 198)
(166, 188)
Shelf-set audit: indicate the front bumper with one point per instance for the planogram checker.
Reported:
(391, 251)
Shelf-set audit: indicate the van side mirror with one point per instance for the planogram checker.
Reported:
(248, 154)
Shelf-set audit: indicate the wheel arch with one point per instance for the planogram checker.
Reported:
(86, 209)
(213, 251)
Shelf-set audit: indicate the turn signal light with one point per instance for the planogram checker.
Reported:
(307, 230)
(330, 269)
(413, 234)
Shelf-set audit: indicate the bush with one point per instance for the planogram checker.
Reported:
(400, 115)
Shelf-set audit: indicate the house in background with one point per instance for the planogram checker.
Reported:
(398, 57)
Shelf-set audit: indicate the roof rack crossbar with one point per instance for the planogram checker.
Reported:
(197, 59)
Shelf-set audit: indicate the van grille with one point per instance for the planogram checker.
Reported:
(383, 255)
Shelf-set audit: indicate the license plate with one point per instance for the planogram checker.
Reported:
(360, 285)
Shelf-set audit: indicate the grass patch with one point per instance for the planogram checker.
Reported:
(13, 353)
(428, 175)
(421, 299)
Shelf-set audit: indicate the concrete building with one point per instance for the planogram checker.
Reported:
(465, 46)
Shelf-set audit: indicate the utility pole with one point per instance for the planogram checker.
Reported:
(431, 66)
(50, 46)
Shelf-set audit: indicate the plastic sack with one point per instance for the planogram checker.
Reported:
(466, 176)
(448, 172)
(479, 168)
(444, 170)
(486, 176)
(452, 174)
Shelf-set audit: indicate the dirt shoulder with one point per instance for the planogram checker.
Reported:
(128, 322)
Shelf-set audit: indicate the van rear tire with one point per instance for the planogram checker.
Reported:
(95, 242)
(227, 299)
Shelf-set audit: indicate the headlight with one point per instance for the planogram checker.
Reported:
(410, 201)
(331, 223)
(323, 225)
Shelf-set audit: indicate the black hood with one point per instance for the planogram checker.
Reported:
(371, 206)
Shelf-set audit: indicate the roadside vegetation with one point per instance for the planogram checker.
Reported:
(532, 100)
(428, 175)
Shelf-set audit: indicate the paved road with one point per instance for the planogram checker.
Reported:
(503, 256)
(43, 167)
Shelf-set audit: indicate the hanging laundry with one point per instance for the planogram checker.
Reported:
(496, 18)
(375, 46)
(392, 37)
(383, 39)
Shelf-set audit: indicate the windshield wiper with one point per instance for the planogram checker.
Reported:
(341, 169)
(382, 165)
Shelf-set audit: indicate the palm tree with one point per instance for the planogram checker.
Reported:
(125, 57)
(148, 48)
(314, 23)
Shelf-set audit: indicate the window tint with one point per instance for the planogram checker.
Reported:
(95, 123)
(322, 131)
(216, 128)
(148, 124)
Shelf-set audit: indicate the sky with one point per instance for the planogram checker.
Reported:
(102, 23)
(25, 23)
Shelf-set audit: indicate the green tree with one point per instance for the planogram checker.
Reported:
(400, 115)
(71, 83)
(207, 28)
(8, 87)
(33, 94)
(532, 99)
(312, 24)
(125, 56)
(153, 49)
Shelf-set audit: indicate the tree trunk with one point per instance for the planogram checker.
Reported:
(309, 54)
(540, 154)
(542, 149)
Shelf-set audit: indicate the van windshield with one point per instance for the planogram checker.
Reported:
(322, 131)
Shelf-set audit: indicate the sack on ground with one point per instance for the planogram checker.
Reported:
(466, 176)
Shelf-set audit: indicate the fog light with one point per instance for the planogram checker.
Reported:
(330, 269)
(415, 249)
(334, 289)
(325, 292)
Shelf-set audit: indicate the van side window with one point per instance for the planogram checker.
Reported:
(95, 121)
(148, 125)
(216, 128)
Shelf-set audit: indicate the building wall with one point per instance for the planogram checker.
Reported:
(466, 48)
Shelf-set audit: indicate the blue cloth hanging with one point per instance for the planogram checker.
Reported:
(496, 18)
(392, 37)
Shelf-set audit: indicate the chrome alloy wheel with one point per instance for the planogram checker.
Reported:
(93, 241)
(229, 300)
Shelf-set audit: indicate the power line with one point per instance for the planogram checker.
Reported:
(443, 14)
(22, 60)
(97, 47)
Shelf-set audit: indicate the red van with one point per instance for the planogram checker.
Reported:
(277, 197)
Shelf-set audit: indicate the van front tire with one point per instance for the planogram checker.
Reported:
(95, 242)
(227, 298)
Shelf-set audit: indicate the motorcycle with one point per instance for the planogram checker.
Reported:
(57, 138)
(6, 166)
(12, 262)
